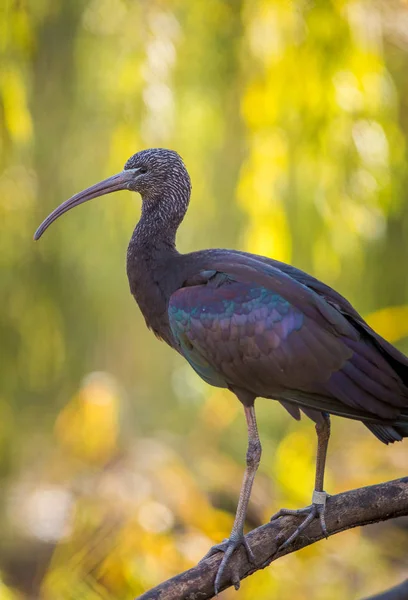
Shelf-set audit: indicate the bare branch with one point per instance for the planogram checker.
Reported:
(344, 511)
(399, 592)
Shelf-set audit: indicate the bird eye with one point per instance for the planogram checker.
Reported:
(142, 170)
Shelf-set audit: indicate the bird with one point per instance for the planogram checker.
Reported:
(256, 326)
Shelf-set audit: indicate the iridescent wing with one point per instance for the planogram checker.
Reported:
(253, 327)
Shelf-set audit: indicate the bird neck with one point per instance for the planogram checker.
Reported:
(154, 232)
(162, 213)
(153, 243)
(151, 257)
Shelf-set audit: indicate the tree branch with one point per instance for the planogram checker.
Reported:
(344, 511)
(399, 592)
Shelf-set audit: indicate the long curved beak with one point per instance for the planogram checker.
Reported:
(115, 183)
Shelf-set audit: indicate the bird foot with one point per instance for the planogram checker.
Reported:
(314, 511)
(228, 546)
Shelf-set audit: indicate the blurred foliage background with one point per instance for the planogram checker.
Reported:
(118, 466)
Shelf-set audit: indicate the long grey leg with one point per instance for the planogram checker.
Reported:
(323, 436)
(317, 508)
(252, 462)
(237, 537)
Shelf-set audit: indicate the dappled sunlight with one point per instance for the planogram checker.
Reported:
(295, 466)
(88, 425)
(390, 322)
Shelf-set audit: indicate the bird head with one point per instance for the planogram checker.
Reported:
(157, 174)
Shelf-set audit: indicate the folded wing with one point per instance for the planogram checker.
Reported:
(253, 326)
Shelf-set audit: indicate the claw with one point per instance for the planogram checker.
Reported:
(315, 510)
(228, 546)
(215, 549)
(248, 550)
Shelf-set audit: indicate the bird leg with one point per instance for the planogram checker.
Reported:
(317, 508)
(237, 537)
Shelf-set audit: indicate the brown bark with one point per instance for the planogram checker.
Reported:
(350, 509)
(399, 592)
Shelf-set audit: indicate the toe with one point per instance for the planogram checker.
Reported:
(228, 547)
(248, 549)
(300, 529)
(227, 555)
(221, 547)
(283, 512)
(315, 510)
(322, 520)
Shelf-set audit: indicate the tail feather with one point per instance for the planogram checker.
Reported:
(395, 359)
(351, 393)
(374, 386)
(389, 433)
(375, 380)
(380, 369)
